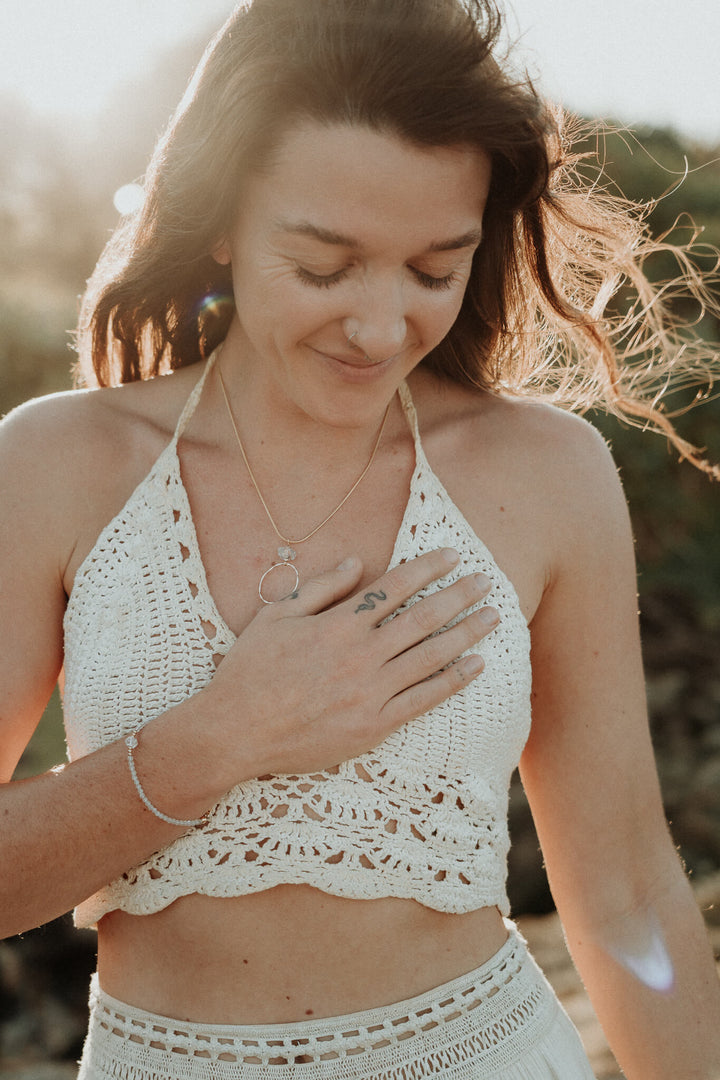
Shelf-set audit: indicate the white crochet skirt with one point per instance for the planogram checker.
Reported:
(501, 1021)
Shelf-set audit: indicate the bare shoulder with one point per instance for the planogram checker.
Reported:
(522, 439)
(578, 496)
(533, 479)
(568, 456)
(94, 419)
(81, 429)
(68, 460)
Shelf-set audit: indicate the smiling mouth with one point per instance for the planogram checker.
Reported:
(358, 361)
(365, 362)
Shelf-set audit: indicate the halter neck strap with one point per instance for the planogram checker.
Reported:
(191, 403)
(410, 415)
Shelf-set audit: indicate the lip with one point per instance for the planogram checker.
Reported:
(354, 367)
(353, 361)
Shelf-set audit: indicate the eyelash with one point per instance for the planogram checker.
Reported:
(431, 282)
(326, 281)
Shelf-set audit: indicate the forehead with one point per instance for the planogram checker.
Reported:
(357, 181)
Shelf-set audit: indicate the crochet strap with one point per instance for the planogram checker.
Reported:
(191, 403)
(408, 406)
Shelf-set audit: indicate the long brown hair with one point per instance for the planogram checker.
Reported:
(556, 245)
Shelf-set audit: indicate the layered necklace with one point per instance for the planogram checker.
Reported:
(286, 552)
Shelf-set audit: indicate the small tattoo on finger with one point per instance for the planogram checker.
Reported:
(370, 598)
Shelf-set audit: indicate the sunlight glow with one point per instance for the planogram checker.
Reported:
(128, 198)
(644, 954)
(70, 58)
(603, 59)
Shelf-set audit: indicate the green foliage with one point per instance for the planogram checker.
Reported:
(47, 747)
(34, 345)
(675, 509)
(650, 166)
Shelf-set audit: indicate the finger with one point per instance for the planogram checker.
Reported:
(434, 653)
(420, 698)
(325, 589)
(387, 593)
(432, 613)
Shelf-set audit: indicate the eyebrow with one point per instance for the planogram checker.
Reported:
(328, 236)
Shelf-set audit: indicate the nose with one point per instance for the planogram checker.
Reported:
(378, 325)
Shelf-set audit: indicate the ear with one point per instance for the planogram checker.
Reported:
(221, 254)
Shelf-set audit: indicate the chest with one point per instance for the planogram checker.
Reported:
(145, 628)
(229, 534)
(238, 544)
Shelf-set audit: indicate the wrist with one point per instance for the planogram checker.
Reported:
(182, 762)
(131, 742)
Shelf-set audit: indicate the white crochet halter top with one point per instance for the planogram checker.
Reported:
(421, 816)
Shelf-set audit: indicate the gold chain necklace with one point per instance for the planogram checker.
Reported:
(286, 551)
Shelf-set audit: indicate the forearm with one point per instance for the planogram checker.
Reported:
(267, 710)
(652, 982)
(69, 832)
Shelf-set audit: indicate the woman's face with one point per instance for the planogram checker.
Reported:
(350, 230)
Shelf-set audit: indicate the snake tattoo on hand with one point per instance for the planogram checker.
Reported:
(370, 598)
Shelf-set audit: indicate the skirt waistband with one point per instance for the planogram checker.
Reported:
(502, 997)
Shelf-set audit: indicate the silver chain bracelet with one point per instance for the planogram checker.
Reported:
(132, 742)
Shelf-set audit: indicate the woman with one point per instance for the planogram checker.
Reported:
(286, 807)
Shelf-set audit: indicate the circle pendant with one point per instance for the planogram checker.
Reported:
(276, 566)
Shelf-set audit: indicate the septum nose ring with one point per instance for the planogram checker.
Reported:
(350, 342)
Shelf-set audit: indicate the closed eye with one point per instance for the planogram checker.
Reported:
(321, 281)
(431, 282)
(324, 281)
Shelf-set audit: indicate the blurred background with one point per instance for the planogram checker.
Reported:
(85, 90)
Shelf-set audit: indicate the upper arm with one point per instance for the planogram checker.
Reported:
(34, 539)
(588, 767)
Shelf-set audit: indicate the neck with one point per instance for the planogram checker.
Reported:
(297, 425)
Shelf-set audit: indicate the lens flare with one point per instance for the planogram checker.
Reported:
(215, 305)
(128, 198)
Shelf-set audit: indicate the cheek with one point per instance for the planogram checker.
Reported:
(307, 308)
(440, 314)
(292, 312)
(272, 297)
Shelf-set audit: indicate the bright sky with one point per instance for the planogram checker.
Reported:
(652, 61)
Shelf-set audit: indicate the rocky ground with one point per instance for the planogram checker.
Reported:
(50, 1021)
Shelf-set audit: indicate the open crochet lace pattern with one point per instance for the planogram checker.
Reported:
(423, 815)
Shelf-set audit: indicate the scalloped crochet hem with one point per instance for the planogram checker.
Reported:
(499, 1022)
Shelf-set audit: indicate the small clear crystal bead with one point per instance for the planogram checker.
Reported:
(131, 742)
(287, 554)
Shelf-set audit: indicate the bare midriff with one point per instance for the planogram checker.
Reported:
(288, 954)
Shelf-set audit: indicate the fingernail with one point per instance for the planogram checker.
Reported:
(482, 581)
(489, 615)
(474, 666)
(346, 564)
(450, 555)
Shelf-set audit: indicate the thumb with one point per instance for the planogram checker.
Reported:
(326, 589)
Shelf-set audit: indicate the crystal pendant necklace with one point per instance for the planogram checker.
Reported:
(286, 550)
